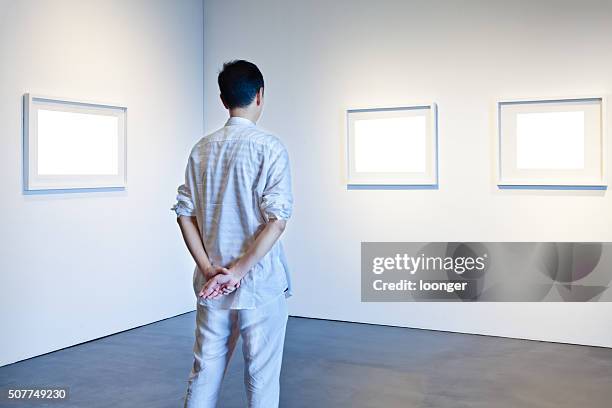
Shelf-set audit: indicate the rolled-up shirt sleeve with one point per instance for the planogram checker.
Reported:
(184, 199)
(277, 197)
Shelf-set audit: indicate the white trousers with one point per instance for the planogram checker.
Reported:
(263, 337)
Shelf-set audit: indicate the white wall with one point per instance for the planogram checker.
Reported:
(77, 266)
(319, 57)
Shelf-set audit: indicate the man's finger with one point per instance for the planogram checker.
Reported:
(202, 291)
(205, 289)
(217, 293)
(214, 293)
(210, 286)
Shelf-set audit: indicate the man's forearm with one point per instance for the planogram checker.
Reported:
(259, 248)
(193, 240)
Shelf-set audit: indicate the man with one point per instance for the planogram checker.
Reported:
(231, 210)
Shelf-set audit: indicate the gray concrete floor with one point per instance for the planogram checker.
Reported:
(331, 364)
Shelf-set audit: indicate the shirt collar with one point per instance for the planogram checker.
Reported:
(238, 120)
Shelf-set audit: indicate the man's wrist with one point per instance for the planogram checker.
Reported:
(206, 270)
(237, 271)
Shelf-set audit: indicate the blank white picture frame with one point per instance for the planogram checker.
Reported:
(392, 146)
(73, 144)
(551, 143)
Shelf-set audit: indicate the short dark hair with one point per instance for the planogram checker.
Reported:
(239, 81)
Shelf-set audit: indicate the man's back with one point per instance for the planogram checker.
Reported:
(232, 210)
(238, 178)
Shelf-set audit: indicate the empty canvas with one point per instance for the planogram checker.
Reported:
(551, 143)
(77, 143)
(71, 144)
(392, 146)
(550, 140)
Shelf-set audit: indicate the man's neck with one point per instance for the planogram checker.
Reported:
(243, 113)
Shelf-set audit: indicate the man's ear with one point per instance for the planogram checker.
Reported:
(223, 100)
(259, 96)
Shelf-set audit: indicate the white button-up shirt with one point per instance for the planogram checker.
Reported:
(237, 179)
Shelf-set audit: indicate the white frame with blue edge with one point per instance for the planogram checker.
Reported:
(593, 173)
(33, 181)
(384, 179)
